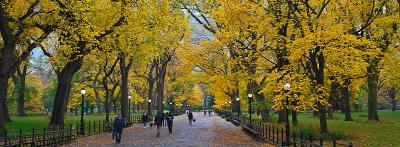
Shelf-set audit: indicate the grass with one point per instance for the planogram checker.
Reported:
(360, 132)
(38, 122)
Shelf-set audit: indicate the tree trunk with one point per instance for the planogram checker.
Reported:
(263, 111)
(3, 96)
(332, 97)
(107, 105)
(346, 99)
(294, 117)
(21, 95)
(160, 88)
(20, 85)
(373, 75)
(124, 87)
(98, 103)
(392, 95)
(282, 116)
(64, 79)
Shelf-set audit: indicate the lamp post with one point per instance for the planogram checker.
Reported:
(287, 87)
(170, 107)
(148, 107)
(238, 108)
(250, 99)
(129, 107)
(82, 128)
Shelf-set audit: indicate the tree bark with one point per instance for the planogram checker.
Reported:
(160, 87)
(282, 116)
(392, 95)
(294, 117)
(124, 87)
(332, 97)
(346, 99)
(64, 79)
(372, 80)
(20, 85)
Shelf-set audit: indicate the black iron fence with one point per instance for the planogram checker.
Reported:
(278, 135)
(53, 136)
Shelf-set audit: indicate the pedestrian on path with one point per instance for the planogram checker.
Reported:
(145, 119)
(190, 116)
(170, 119)
(209, 112)
(117, 128)
(205, 112)
(158, 122)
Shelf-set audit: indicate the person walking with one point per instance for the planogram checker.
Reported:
(209, 112)
(117, 128)
(145, 119)
(170, 119)
(205, 112)
(158, 122)
(190, 116)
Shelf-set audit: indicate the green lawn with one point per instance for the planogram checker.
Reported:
(360, 132)
(38, 122)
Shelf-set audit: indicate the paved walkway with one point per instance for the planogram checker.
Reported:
(206, 131)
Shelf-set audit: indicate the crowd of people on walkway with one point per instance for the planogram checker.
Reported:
(160, 119)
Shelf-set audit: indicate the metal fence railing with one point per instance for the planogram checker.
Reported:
(277, 135)
(54, 136)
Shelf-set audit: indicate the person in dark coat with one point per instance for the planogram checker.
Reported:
(170, 119)
(190, 116)
(158, 122)
(145, 119)
(117, 128)
(209, 112)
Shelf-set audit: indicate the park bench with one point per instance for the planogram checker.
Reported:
(251, 131)
(236, 122)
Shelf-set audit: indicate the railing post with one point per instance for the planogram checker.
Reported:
(89, 129)
(334, 142)
(277, 135)
(70, 132)
(282, 139)
(321, 141)
(77, 130)
(6, 138)
(33, 137)
(273, 133)
(20, 137)
(294, 138)
(350, 144)
(310, 139)
(301, 139)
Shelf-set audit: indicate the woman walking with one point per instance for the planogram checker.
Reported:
(190, 116)
(158, 122)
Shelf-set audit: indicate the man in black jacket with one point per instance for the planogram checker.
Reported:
(117, 128)
(190, 116)
(170, 119)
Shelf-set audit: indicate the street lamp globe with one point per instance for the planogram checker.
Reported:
(163, 102)
(149, 100)
(83, 91)
(286, 86)
(250, 95)
(230, 102)
(170, 103)
(129, 97)
(237, 99)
